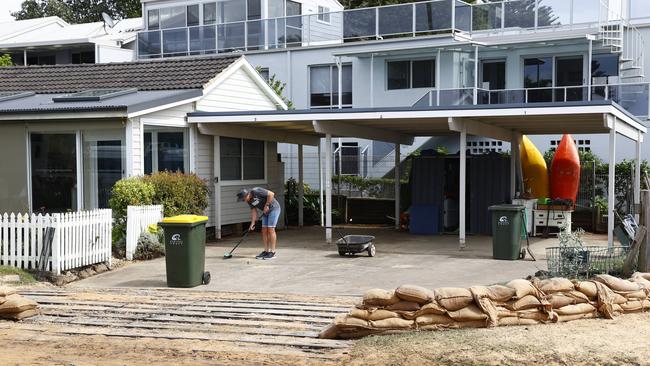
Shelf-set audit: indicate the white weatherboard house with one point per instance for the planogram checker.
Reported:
(68, 133)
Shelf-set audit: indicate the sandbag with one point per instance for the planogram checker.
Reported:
(588, 288)
(538, 315)
(21, 315)
(468, 313)
(641, 281)
(557, 284)
(431, 308)
(575, 309)
(635, 306)
(517, 321)
(561, 299)
(496, 293)
(15, 304)
(378, 314)
(404, 306)
(641, 295)
(2, 300)
(644, 275)
(503, 312)
(345, 321)
(526, 302)
(617, 284)
(6, 291)
(417, 294)
(430, 319)
(523, 288)
(452, 298)
(379, 297)
(392, 323)
(568, 318)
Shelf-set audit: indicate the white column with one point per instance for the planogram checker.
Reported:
(25, 57)
(339, 68)
(301, 188)
(475, 94)
(328, 188)
(397, 185)
(320, 182)
(216, 163)
(462, 188)
(637, 178)
(590, 56)
(611, 184)
(372, 80)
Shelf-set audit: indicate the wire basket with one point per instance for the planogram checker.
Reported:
(585, 261)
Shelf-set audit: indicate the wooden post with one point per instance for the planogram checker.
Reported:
(644, 251)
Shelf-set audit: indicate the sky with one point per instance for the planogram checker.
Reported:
(6, 7)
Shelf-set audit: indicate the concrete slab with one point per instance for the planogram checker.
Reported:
(305, 265)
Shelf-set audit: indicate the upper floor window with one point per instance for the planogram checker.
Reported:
(324, 86)
(411, 74)
(324, 14)
(209, 13)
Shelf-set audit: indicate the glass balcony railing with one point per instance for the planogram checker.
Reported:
(635, 98)
(401, 20)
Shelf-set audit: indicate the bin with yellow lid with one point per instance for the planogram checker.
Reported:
(185, 250)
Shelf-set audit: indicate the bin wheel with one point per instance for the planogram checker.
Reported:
(371, 251)
(342, 252)
(206, 278)
(522, 254)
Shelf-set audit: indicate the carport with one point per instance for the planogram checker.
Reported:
(506, 122)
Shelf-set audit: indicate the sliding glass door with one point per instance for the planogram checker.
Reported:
(103, 164)
(568, 73)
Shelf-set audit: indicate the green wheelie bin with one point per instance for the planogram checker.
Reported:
(507, 221)
(185, 250)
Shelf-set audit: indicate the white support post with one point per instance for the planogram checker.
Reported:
(372, 80)
(589, 71)
(611, 184)
(217, 186)
(397, 185)
(637, 178)
(328, 188)
(339, 68)
(320, 182)
(475, 94)
(301, 188)
(462, 188)
(25, 57)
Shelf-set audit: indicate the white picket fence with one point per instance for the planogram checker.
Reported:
(138, 219)
(80, 239)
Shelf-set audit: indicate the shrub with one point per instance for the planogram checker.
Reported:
(148, 247)
(128, 192)
(179, 193)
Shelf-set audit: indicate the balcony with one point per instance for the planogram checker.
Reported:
(375, 23)
(635, 98)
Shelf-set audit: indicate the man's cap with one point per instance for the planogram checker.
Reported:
(241, 195)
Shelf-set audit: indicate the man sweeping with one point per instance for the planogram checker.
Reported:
(264, 200)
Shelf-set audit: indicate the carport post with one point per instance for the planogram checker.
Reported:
(397, 185)
(328, 188)
(611, 184)
(301, 188)
(462, 188)
(320, 181)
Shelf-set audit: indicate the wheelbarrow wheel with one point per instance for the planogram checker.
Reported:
(342, 252)
(371, 250)
(522, 254)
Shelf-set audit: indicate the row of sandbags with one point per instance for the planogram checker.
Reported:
(14, 306)
(519, 302)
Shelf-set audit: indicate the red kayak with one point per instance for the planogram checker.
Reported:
(565, 170)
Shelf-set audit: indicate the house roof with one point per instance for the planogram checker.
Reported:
(166, 74)
(128, 103)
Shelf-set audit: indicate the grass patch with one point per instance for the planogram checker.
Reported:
(25, 277)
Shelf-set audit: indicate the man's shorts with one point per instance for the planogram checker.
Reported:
(271, 219)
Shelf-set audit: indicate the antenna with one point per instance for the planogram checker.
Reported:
(108, 21)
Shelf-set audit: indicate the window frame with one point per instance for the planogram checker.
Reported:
(410, 72)
(154, 152)
(323, 13)
(333, 104)
(242, 181)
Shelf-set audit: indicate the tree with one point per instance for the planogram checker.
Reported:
(79, 11)
(5, 60)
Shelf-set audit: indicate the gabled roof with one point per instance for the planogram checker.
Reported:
(166, 74)
(13, 28)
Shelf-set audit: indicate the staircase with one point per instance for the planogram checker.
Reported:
(622, 38)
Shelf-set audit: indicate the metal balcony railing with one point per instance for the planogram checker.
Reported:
(634, 97)
(374, 23)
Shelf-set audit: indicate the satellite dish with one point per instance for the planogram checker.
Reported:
(108, 20)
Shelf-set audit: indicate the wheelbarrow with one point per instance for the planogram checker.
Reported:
(355, 244)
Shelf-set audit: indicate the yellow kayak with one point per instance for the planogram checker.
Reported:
(534, 170)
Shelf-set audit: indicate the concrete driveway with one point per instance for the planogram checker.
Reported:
(306, 265)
